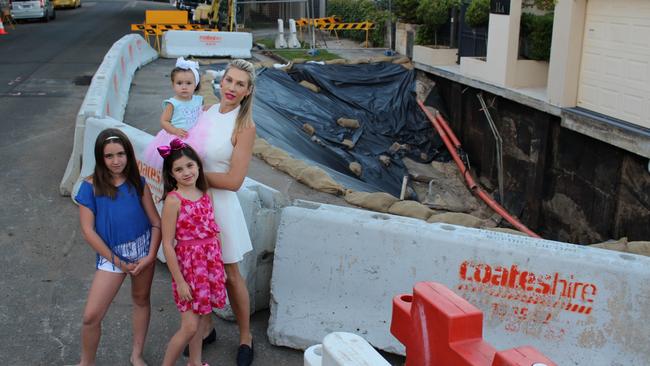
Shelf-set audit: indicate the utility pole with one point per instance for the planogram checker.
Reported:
(312, 51)
(389, 51)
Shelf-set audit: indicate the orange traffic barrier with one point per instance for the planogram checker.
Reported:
(439, 327)
(2, 28)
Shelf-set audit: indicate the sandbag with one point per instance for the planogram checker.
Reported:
(456, 218)
(310, 86)
(355, 168)
(336, 61)
(274, 156)
(376, 201)
(401, 60)
(411, 209)
(293, 167)
(207, 91)
(347, 143)
(318, 179)
(348, 122)
(358, 61)
(382, 59)
(309, 129)
(639, 247)
(259, 146)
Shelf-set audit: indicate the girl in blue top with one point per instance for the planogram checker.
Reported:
(120, 222)
(180, 112)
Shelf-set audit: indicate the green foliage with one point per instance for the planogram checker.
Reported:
(432, 14)
(537, 32)
(406, 10)
(478, 13)
(435, 13)
(352, 11)
(290, 54)
(548, 5)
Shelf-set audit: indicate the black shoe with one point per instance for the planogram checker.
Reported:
(245, 354)
(211, 338)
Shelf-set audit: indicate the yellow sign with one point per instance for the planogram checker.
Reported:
(348, 26)
(318, 21)
(160, 28)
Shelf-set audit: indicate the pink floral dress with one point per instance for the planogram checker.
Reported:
(198, 250)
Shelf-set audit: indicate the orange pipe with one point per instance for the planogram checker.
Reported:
(448, 130)
(452, 143)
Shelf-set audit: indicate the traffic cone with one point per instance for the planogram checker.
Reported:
(2, 28)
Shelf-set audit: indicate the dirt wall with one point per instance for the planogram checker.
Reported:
(564, 185)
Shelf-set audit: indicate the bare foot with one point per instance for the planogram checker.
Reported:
(137, 361)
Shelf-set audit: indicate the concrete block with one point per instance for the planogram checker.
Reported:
(343, 349)
(107, 95)
(262, 206)
(208, 44)
(337, 269)
(435, 56)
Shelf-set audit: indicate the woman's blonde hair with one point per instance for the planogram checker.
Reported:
(245, 115)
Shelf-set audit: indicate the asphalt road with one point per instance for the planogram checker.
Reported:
(46, 266)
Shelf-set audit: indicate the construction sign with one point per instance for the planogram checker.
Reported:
(160, 28)
(348, 26)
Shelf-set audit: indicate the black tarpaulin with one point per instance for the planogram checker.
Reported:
(381, 96)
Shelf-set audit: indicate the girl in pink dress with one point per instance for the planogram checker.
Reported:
(180, 113)
(195, 262)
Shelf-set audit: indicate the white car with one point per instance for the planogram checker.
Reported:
(32, 9)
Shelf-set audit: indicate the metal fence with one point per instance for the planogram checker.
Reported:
(261, 13)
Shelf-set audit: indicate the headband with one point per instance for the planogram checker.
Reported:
(193, 66)
(175, 144)
(112, 138)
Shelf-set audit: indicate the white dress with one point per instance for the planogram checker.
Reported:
(235, 241)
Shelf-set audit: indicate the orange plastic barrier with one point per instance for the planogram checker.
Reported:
(439, 327)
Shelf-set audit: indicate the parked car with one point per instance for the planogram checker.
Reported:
(188, 5)
(66, 3)
(32, 9)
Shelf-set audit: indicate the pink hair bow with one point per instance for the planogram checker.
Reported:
(175, 144)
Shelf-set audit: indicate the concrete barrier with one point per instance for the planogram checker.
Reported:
(292, 41)
(261, 205)
(107, 95)
(343, 349)
(207, 44)
(337, 269)
(280, 42)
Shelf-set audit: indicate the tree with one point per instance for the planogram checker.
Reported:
(432, 14)
(406, 10)
(478, 13)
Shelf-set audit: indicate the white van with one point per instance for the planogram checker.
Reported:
(30, 9)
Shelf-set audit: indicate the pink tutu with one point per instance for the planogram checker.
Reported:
(195, 138)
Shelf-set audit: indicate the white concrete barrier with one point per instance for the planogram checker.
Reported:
(293, 39)
(107, 95)
(280, 42)
(343, 349)
(337, 269)
(261, 205)
(208, 44)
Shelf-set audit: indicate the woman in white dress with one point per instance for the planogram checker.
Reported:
(228, 150)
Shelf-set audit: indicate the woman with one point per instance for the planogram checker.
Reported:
(230, 134)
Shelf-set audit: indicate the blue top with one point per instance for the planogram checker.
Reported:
(185, 113)
(122, 222)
